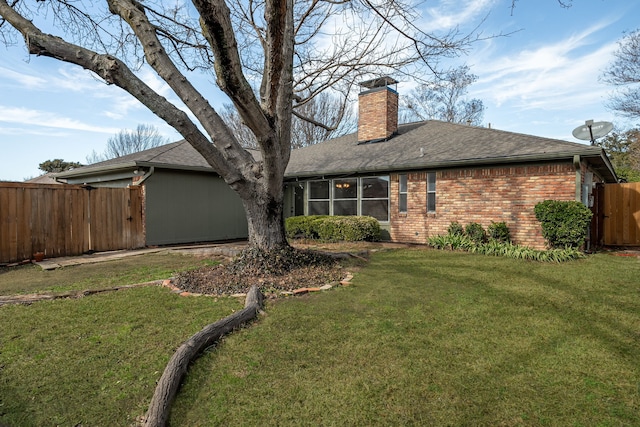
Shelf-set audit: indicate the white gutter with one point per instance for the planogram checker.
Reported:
(145, 176)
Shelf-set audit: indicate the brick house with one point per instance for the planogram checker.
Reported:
(417, 178)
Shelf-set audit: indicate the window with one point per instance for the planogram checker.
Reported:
(345, 196)
(402, 193)
(375, 197)
(350, 196)
(319, 198)
(431, 192)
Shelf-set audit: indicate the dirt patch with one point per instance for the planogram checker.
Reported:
(284, 271)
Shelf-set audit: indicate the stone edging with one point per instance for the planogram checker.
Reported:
(168, 283)
(300, 291)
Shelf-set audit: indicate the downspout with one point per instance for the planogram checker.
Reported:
(576, 165)
(145, 176)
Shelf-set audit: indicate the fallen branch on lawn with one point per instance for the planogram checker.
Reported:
(31, 298)
(167, 387)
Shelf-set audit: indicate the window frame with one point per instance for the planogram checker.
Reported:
(387, 197)
(403, 195)
(359, 194)
(334, 189)
(431, 192)
(311, 200)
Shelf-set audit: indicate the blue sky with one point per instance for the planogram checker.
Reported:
(540, 80)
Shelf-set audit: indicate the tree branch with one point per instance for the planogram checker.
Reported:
(216, 25)
(230, 150)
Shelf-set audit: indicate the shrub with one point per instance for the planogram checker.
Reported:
(333, 228)
(499, 232)
(451, 241)
(475, 232)
(509, 250)
(301, 226)
(456, 229)
(564, 223)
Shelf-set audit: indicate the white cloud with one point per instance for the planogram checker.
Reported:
(25, 80)
(450, 14)
(554, 76)
(38, 118)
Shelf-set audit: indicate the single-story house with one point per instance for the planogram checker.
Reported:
(417, 178)
(414, 178)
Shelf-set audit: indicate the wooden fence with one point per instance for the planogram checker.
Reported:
(66, 220)
(621, 225)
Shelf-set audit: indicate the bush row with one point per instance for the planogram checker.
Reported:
(333, 228)
(496, 232)
(506, 249)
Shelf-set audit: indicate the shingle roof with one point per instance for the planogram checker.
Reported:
(430, 144)
(179, 153)
(422, 145)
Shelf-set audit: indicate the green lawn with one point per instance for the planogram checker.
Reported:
(135, 269)
(422, 337)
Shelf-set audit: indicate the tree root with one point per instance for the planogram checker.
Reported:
(167, 387)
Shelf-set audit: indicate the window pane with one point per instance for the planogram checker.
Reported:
(375, 187)
(319, 208)
(345, 188)
(431, 181)
(431, 202)
(319, 190)
(345, 207)
(378, 209)
(403, 183)
(402, 202)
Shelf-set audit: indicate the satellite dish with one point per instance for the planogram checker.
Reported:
(591, 130)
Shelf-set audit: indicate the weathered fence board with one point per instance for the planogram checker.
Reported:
(64, 220)
(622, 214)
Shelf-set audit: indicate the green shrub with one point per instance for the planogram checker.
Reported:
(499, 232)
(475, 232)
(456, 229)
(333, 228)
(451, 241)
(301, 226)
(564, 223)
(506, 249)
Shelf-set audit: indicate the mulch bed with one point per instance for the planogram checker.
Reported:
(225, 280)
(283, 270)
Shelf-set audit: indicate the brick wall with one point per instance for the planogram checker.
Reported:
(378, 114)
(481, 195)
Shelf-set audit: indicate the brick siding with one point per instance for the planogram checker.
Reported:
(481, 195)
(378, 114)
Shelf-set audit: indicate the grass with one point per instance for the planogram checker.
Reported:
(93, 361)
(136, 269)
(422, 337)
(436, 338)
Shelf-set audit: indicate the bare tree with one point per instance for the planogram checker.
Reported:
(129, 141)
(564, 3)
(624, 73)
(443, 99)
(322, 118)
(292, 51)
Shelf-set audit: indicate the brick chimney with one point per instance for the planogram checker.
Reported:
(378, 110)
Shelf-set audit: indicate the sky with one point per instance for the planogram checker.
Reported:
(542, 79)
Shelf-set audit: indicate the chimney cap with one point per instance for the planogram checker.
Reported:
(379, 82)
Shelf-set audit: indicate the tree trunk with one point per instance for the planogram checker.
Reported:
(167, 387)
(265, 220)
